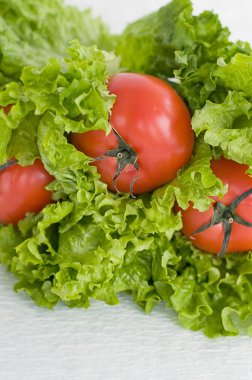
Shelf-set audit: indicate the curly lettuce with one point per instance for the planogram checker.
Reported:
(208, 294)
(32, 32)
(91, 243)
(182, 48)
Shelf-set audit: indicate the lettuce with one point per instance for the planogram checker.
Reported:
(227, 127)
(91, 243)
(209, 294)
(176, 45)
(31, 33)
(147, 45)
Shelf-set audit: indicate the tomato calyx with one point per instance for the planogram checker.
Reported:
(7, 164)
(226, 215)
(124, 155)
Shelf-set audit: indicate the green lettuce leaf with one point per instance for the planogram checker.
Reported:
(195, 183)
(236, 74)
(183, 48)
(72, 91)
(31, 33)
(147, 45)
(227, 127)
(209, 294)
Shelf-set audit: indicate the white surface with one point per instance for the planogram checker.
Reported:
(109, 343)
(120, 342)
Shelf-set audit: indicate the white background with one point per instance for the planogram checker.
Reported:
(119, 342)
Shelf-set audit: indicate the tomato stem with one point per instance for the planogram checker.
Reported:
(226, 215)
(124, 155)
(7, 164)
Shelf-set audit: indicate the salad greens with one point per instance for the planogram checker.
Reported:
(173, 43)
(91, 243)
(31, 33)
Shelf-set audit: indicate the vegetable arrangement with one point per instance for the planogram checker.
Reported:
(104, 186)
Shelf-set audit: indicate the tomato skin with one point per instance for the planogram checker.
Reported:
(234, 175)
(151, 117)
(22, 190)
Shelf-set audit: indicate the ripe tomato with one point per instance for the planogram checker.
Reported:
(212, 238)
(22, 190)
(151, 137)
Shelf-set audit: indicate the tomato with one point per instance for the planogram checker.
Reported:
(7, 108)
(22, 190)
(151, 136)
(236, 219)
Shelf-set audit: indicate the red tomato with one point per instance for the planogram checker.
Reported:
(153, 122)
(22, 190)
(211, 240)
